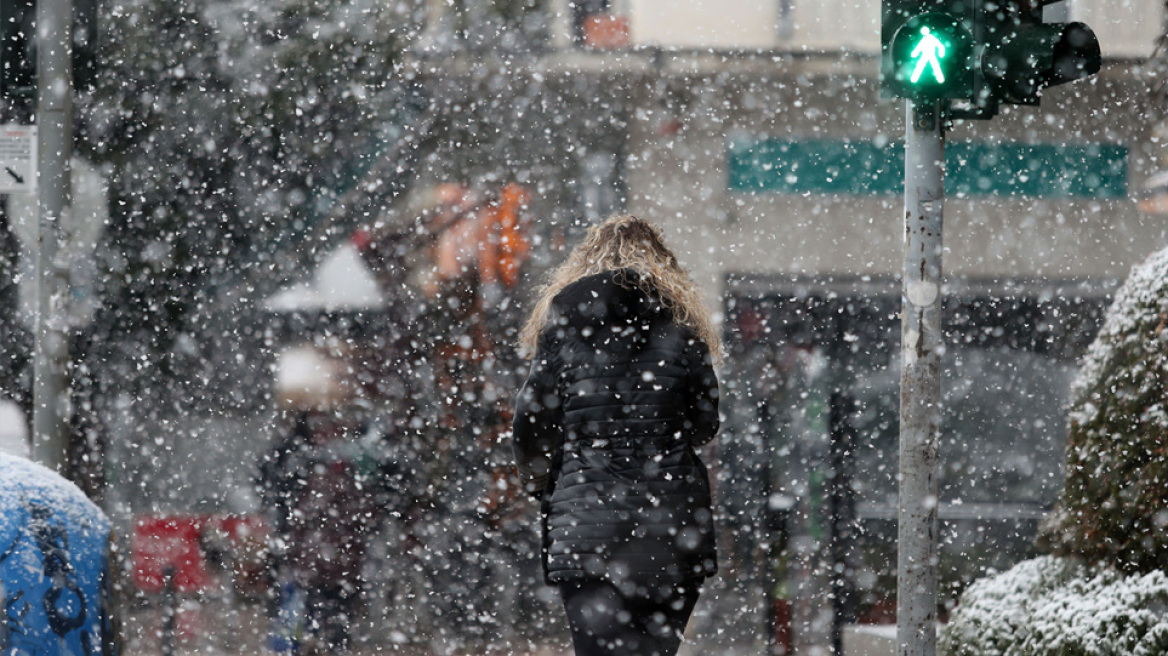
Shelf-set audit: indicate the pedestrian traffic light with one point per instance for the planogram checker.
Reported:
(983, 52)
(1023, 55)
(927, 49)
(931, 57)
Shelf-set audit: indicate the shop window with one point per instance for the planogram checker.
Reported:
(813, 391)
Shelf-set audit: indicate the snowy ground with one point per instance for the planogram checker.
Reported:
(406, 616)
(224, 627)
(213, 628)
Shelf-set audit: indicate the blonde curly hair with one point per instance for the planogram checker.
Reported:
(626, 242)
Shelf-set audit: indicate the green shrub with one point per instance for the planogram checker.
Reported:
(1114, 508)
(1105, 591)
(1055, 606)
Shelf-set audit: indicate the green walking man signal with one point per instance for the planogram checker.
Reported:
(930, 57)
(929, 51)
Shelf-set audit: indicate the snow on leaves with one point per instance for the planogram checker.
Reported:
(1117, 454)
(1053, 606)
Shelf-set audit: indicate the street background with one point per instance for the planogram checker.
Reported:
(338, 213)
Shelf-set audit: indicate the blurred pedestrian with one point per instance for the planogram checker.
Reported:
(621, 392)
(325, 508)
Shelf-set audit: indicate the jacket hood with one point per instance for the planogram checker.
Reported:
(612, 298)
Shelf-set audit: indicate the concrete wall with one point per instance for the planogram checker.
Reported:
(862, 640)
(705, 23)
(748, 24)
(679, 178)
(1126, 28)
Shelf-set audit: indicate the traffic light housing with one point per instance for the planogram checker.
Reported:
(985, 52)
(1023, 55)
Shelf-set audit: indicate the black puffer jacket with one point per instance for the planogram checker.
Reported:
(617, 400)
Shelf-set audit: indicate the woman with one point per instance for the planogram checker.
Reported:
(621, 392)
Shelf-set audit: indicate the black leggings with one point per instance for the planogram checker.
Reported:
(606, 623)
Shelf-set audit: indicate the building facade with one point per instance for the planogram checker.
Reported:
(755, 133)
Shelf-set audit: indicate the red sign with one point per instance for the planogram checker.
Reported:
(168, 544)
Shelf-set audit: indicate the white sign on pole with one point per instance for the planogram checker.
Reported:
(18, 159)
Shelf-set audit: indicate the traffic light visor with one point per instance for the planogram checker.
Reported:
(1033, 57)
(1076, 54)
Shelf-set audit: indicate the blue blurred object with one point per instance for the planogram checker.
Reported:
(54, 566)
(291, 617)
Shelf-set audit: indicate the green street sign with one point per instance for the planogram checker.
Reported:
(932, 57)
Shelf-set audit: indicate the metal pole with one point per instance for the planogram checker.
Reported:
(54, 118)
(169, 612)
(842, 502)
(920, 380)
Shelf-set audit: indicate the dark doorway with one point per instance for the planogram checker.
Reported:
(809, 460)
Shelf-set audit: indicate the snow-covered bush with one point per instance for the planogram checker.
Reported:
(1114, 508)
(1056, 606)
(1106, 590)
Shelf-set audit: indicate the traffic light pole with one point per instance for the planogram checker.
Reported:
(920, 379)
(54, 117)
(978, 55)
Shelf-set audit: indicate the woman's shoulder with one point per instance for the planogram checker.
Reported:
(606, 285)
(608, 294)
(603, 282)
